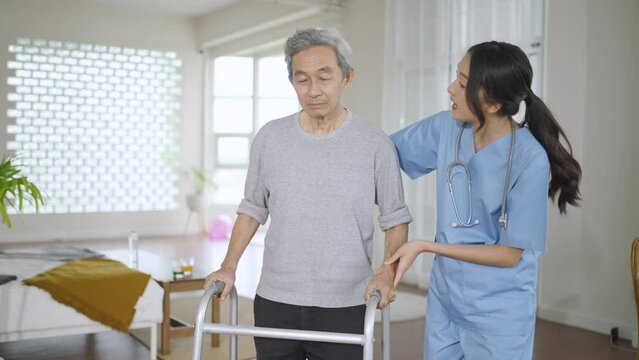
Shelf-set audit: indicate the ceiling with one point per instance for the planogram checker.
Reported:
(195, 8)
(170, 7)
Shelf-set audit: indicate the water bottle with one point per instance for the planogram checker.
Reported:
(133, 249)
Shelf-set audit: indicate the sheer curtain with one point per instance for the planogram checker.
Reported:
(424, 41)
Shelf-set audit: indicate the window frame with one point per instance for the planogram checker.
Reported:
(210, 158)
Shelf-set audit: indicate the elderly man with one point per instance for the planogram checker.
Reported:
(318, 173)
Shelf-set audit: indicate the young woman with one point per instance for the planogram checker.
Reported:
(494, 176)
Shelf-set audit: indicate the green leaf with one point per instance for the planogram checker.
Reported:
(15, 188)
(5, 217)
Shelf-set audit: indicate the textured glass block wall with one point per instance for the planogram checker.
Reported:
(93, 125)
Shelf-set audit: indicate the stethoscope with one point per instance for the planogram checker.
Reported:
(503, 218)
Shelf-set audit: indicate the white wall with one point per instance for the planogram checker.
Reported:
(364, 29)
(592, 85)
(70, 20)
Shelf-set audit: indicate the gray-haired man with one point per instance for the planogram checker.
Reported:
(318, 174)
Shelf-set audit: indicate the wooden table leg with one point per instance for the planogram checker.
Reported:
(167, 331)
(215, 318)
(165, 344)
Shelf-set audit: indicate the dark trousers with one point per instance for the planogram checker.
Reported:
(285, 316)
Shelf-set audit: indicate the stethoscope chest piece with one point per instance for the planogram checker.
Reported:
(457, 225)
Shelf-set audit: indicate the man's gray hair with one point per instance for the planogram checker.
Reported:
(305, 38)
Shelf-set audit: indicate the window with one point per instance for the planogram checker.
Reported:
(518, 22)
(93, 124)
(248, 91)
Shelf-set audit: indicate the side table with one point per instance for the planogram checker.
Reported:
(174, 328)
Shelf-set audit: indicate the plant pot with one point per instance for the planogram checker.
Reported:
(197, 202)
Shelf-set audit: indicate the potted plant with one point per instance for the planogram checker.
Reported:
(15, 189)
(199, 180)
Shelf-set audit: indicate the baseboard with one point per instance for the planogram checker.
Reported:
(587, 322)
(84, 236)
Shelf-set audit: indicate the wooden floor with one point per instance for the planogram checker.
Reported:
(101, 346)
(552, 341)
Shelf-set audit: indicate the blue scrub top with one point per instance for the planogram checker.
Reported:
(488, 299)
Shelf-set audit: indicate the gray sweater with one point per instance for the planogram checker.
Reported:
(320, 191)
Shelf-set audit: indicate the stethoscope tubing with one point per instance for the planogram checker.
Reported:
(503, 218)
(449, 180)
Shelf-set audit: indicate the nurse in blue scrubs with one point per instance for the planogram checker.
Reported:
(494, 177)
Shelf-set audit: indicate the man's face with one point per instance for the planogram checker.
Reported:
(318, 81)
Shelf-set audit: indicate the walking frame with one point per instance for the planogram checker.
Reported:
(366, 339)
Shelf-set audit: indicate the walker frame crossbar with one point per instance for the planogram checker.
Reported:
(366, 339)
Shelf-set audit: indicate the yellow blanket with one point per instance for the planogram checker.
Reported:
(104, 290)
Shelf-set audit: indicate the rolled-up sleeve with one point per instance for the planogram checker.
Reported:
(256, 193)
(389, 192)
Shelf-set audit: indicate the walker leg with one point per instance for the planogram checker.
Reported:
(153, 347)
(369, 325)
(368, 351)
(234, 321)
(386, 346)
(197, 344)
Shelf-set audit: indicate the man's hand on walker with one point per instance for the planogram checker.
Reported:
(226, 276)
(382, 281)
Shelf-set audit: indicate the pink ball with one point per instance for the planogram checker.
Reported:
(221, 228)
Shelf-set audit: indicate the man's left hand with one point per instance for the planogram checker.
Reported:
(382, 281)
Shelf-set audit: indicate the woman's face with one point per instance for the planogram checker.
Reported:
(457, 91)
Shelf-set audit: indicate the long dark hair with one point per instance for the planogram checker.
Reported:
(502, 73)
